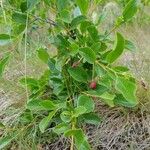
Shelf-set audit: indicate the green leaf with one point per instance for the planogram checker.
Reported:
(74, 49)
(43, 55)
(100, 70)
(19, 29)
(79, 111)
(2, 125)
(79, 74)
(108, 98)
(88, 54)
(3, 63)
(98, 91)
(65, 16)
(45, 121)
(84, 25)
(29, 81)
(48, 105)
(80, 139)
(120, 100)
(96, 47)
(83, 5)
(5, 39)
(127, 89)
(130, 10)
(4, 141)
(65, 116)
(23, 6)
(119, 47)
(31, 4)
(35, 105)
(121, 69)
(61, 128)
(76, 21)
(19, 18)
(91, 118)
(87, 102)
(62, 4)
(93, 32)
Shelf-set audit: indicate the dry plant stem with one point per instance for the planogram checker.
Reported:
(72, 143)
(72, 138)
(25, 57)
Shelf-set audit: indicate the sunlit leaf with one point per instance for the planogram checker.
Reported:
(119, 47)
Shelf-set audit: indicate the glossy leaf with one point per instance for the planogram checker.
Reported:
(86, 102)
(88, 54)
(79, 74)
(119, 47)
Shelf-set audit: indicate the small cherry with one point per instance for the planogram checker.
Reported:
(93, 85)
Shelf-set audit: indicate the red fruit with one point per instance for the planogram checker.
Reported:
(93, 85)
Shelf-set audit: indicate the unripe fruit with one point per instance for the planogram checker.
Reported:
(93, 85)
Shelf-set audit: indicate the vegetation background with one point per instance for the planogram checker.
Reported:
(121, 128)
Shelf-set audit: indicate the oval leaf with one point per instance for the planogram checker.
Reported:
(113, 55)
(127, 89)
(78, 74)
(88, 54)
(130, 10)
(86, 102)
(43, 55)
